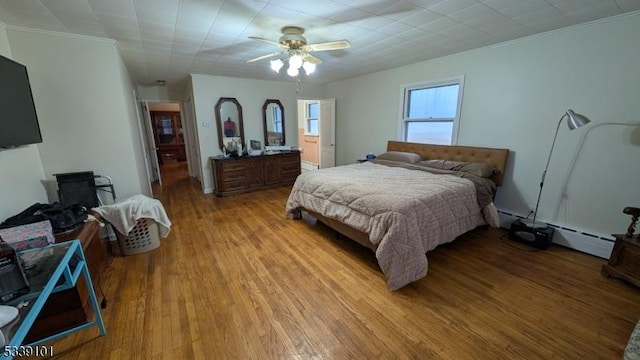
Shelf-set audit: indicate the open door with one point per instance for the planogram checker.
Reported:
(151, 143)
(143, 138)
(327, 133)
(193, 152)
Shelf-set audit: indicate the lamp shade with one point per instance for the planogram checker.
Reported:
(293, 72)
(576, 120)
(295, 61)
(309, 67)
(276, 65)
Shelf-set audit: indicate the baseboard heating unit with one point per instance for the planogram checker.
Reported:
(572, 238)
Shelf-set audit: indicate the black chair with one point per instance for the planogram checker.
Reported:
(78, 188)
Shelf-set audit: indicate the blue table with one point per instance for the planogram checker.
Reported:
(55, 268)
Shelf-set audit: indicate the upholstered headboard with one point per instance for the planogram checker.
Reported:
(495, 157)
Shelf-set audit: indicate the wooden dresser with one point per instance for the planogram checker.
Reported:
(72, 307)
(624, 262)
(251, 173)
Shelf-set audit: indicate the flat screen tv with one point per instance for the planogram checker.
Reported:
(18, 118)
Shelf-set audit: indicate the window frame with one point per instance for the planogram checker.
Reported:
(277, 120)
(404, 105)
(307, 117)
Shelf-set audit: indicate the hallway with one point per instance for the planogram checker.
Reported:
(171, 173)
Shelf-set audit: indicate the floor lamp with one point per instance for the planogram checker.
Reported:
(539, 234)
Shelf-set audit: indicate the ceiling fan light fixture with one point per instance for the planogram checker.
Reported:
(295, 61)
(276, 65)
(295, 50)
(308, 67)
(293, 72)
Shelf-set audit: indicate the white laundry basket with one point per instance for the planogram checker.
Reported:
(142, 238)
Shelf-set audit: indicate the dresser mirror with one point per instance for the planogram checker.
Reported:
(229, 124)
(273, 117)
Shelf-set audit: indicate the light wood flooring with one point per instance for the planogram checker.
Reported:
(236, 279)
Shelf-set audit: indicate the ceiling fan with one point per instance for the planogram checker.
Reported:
(298, 50)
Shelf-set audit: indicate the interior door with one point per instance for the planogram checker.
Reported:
(327, 132)
(155, 167)
(143, 139)
(193, 153)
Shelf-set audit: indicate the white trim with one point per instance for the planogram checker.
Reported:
(592, 244)
(57, 33)
(405, 88)
(306, 117)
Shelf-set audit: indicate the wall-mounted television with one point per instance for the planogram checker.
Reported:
(18, 118)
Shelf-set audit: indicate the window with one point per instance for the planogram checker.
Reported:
(312, 118)
(431, 111)
(277, 119)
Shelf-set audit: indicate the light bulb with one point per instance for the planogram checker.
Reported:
(276, 65)
(291, 71)
(295, 61)
(308, 67)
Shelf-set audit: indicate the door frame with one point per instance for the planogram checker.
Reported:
(327, 127)
(144, 143)
(153, 155)
(191, 138)
(301, 106)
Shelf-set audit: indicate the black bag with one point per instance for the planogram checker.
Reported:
(62, 218)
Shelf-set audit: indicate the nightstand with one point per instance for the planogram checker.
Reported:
(624, 262)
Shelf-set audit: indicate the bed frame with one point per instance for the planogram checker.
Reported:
(495, 157)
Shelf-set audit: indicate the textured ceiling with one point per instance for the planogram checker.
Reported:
(168, 39)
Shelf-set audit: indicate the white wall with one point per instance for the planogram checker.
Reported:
(21, 170)
(125, 88)
(513, 98)
(84, 98)
(251, 95)
(161, 93)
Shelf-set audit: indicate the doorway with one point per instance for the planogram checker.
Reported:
(164, 135)
(316, 133)
(170, 140)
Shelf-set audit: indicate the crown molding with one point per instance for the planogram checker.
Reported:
(58, 33)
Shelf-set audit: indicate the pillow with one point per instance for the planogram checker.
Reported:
(479, 169)
(407, 157)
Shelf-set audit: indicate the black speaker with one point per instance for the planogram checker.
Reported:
(539, 237)
(13, 282)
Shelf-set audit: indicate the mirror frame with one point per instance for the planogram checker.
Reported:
(264, 120)
(219, 120)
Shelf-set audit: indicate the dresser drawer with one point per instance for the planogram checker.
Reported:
(236, 184)
(230, 166)
(250, 173)
(288, 177)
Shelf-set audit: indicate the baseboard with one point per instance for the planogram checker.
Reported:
(596, 245)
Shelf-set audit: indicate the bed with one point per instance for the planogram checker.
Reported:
(406, 202)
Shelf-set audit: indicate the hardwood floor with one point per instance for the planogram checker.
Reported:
(237, 279)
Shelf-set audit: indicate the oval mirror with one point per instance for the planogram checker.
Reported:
(229, 124)
(273, 117)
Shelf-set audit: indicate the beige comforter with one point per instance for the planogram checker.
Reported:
(405, 212)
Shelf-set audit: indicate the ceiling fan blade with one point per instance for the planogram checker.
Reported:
(265, 56)
(312, 59)
(332, 45)
(267, 41)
